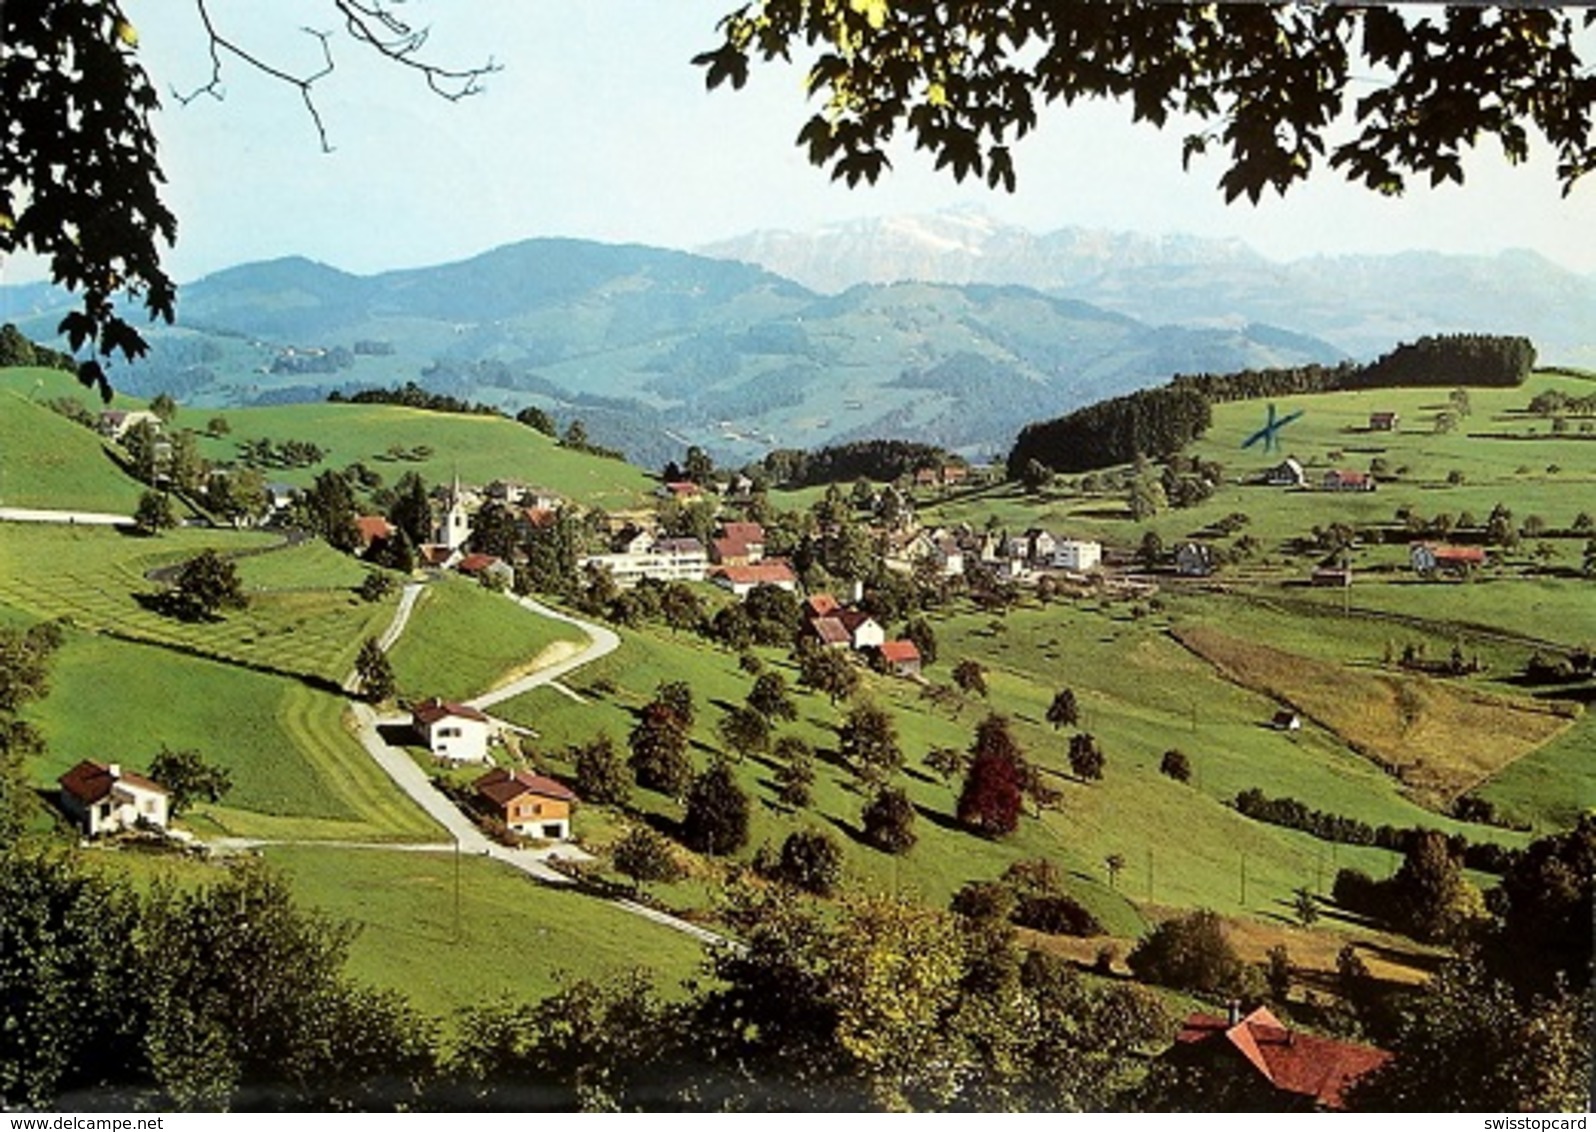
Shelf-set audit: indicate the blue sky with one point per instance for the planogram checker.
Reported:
(599, 127)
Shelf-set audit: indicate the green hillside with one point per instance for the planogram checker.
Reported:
(46, 460)
(477, 448)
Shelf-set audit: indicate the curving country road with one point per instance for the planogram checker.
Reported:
(410, 778)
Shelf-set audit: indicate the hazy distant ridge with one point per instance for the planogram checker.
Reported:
(1361, 304)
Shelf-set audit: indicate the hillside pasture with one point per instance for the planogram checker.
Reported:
(464, 639)
(96, 578)
(46, 460)
(506, 939)
(1440, 741)
(1141, 694)
(297, 771)
(476, 448)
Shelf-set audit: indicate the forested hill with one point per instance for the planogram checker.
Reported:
(1159, 422)
(654, 350)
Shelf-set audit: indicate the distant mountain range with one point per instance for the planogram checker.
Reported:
(656, 349)
(1361, 304)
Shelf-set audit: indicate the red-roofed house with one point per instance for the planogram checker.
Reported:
(372, 528)
(1428, 558)
(680, 490)
(830, 632)
(1383, 422)
(820, 605)
(740, 579)
(489, 569)
(901, 658)
(452, 731)
(739, 544)
(104, 798)
(528, 803)
(1302, 1071)
(864, 631)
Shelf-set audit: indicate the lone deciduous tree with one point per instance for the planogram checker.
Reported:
(205, 585)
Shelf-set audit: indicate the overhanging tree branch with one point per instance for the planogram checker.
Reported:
(369, 23)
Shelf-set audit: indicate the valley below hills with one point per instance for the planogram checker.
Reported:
(656, 349)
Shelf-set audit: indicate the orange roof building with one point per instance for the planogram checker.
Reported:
(1305, 1070)
(528, 803)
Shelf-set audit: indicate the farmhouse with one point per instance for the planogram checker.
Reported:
(117, 423)
(452, 731)
(739, 544)
(528, 803)
(1429, 558)
(864, 631)
(901, 658)
(1286, 721)
(1299, 1071)
(372, 528)
(741, 579)
(948, 556)
(1287, 473)
(830, 632)
(104, 798)
(820, 605)
(1077, 554)
(489, 569)
(1335, 576)
(1341, 479)
(1383, 422)
(683, 491)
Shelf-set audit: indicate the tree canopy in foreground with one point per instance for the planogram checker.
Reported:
(1379, 94)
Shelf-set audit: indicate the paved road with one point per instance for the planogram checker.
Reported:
(410, 778)
(69, 518)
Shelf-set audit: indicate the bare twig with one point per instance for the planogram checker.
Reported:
(369, 22)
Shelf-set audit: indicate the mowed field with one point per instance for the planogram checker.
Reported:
(506, 939)
(1438, 739)
(96, 577)
(464, 639)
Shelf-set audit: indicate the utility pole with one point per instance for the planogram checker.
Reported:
(457, 888)
(1244, 880)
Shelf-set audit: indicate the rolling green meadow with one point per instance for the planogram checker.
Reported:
(1201, 667)
(464, 639)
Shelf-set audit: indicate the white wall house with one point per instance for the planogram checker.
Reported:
(452, 731)
(666, 560)
(105, 798)
(1077, 554)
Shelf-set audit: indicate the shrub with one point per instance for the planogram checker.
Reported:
(1176, 765)
(1189, 953)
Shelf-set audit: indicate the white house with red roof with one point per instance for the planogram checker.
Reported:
(742, 579)
(106, 798)
(456, 732)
